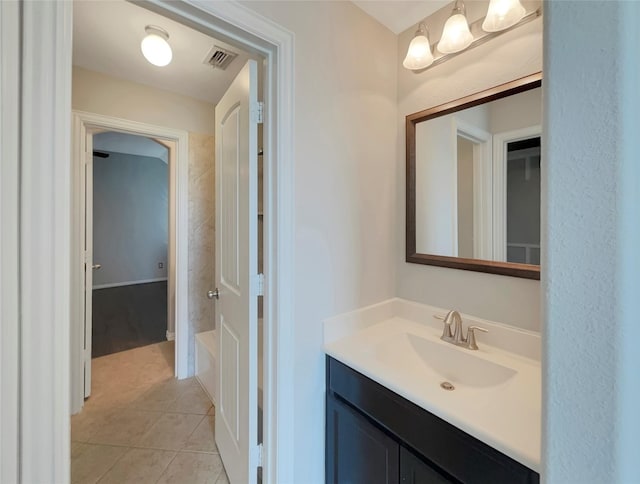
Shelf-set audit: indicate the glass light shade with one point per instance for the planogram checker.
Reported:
(419, 53)
(503, 14)
(456, 35)
(156, 49)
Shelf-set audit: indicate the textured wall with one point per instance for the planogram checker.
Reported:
(201, 236)
(514, 54)
(591, 386)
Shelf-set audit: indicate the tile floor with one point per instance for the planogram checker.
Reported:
(141, 425)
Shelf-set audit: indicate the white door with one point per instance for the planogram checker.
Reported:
(89, 267)
(236, 275)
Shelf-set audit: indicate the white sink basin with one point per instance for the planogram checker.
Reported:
(443, 362)
(497, 388)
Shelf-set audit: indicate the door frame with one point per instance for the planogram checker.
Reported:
(500, 142)
(237, 24)
(9, 241)
(178, 258)
(45, 220)
(482, 186)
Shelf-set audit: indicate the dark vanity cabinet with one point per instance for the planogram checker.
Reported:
(360, 451)
(376, 436)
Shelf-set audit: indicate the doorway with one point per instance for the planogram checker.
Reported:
(523, 201)
(86, 127)
(234, 23)
(517, 190)
(130, 235)
(237, 115)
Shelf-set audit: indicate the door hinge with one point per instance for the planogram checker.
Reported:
(260, 284)
(257, 112)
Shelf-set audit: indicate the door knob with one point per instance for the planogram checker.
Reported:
(212, 294)
(95, 267)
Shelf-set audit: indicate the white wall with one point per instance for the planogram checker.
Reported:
(130, 219)
(521, 110)
(10, 35)
(591, 388)
(98, 93)
(513, 55)
(435, 187)
(436, 166)
(345, 110)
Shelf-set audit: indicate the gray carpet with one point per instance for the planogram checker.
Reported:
(128, 317)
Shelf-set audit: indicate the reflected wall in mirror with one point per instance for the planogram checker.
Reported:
(473, 181)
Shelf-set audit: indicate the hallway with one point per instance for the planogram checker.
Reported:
(142, 425)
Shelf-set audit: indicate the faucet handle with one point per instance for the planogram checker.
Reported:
(471, 336)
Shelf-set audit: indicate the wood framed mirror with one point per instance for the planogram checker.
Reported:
(473, 181)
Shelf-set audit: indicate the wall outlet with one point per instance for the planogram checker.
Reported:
(160, 265)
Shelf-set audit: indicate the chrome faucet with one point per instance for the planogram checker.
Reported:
(457, 338)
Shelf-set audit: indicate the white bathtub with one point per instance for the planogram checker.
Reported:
(207, 362)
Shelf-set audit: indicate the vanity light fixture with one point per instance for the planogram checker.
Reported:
(419, 55)
(503, 14)
(459, 35)
(456, 35)
(155, 46)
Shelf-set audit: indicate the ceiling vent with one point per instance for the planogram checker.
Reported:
(219, 58)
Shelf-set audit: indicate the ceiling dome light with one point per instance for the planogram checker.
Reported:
(456, 35)
(155, 47)
(503, 14)
(419, 54)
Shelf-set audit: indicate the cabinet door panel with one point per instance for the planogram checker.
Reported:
(357, 451)
(414, 470)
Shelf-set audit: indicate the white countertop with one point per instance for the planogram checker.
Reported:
(505, 416)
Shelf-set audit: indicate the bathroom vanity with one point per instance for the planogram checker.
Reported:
(403, 406)
(375, 435)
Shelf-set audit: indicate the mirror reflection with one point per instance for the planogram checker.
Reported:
(477, 181)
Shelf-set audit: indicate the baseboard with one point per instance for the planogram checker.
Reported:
(129, 283)
(171, 335)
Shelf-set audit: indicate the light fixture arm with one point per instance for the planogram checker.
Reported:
(459, 8)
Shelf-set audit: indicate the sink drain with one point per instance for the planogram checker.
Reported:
(447, 386)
